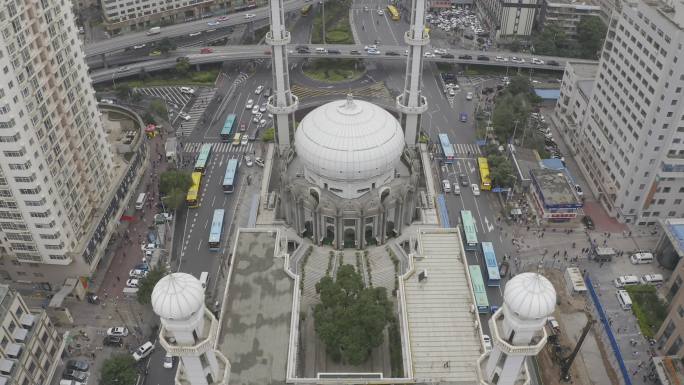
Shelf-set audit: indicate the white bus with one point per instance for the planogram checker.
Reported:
(140, 202)
(624, 299)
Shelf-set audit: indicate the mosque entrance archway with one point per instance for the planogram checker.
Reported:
(349, 238)
(368, 236)
(390, 229)
(308, 230)
(329, 235)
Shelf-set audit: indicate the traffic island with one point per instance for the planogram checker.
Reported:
(334, 71)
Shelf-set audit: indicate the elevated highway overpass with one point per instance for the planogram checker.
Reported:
(246, 52)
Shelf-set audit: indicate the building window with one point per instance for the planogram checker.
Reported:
(680, 311)
(19, 312)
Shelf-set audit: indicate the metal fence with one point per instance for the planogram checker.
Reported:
(605, 333)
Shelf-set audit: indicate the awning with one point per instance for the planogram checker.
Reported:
(20, 334)
(13, 350)
(68, 287)
(28, 320)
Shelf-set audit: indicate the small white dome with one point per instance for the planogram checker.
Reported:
(349, 140)
(530, 296)
(177, 296)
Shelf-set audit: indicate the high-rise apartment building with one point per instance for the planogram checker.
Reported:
(30, 346)
(629, 140)
(567, 14)
(509, 18)
(56, 164)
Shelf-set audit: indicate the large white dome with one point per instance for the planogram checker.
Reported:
(349, 140)
(177, 296)
(530, 296)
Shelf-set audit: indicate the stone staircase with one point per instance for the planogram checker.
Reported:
(314, 271)
(382, 269)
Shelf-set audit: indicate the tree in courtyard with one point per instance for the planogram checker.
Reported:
(501, 171)
(146, 285)
(591, 31)
(551, 41)
(268, 135)
(119, 370)
(166, 45)
(183, 65)
(350, 318)
(173, 186)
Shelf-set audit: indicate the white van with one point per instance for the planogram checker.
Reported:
(321, 50)
(624, 299)
(652, 279)
(640, 258)
(626, 280)
(204, 279)
(140, 202)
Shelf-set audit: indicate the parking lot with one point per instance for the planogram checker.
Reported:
(459, 20)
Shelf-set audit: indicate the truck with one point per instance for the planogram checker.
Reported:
(154, 31)
(171, 145)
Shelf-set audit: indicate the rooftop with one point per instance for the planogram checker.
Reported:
(670, 369)
(255, 325)
(554, 188)
(445, 342)
(674, 230)
(585, 4)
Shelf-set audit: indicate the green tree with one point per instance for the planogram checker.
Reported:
(123, 91)
(350, 318)
(268, 135)
(501, 171)
(591, 31)
(148, 118)
(520, 85)
(182, 66)
(173, 185)
(119, 370)
(158, 107)
(146, 285)
(166, 45)
(551, 41)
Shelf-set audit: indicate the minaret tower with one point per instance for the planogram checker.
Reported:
(189, 330)
(518, 328)
(411, 103)
(282, 104)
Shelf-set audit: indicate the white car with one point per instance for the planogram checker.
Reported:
(133, 282)
(108, 101)
(262, 108)
(452, 92)
(138, 273)
(537, 61)
(248, 161)
(369, 47)
(476, 189)
(187, 90)
(259, 90)
(213, 23)
(245, 140)
(122, 69)
(168, 361)
(138, 46)
(259, 162)
(487, 342)
(255, 109)
(184, 116)
(257, 117)
(469, 96)
(117, 331)
(516, 59)
(249, 15)
(429, 54)
(143, 351)
(406, 52)
(456, 189)
(373, 51)
(249, 104)
(439, 51)
(195, 34)
(381, 12)
(501, 58)
(446, 186)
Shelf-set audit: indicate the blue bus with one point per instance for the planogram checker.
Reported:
(447, 149)
(203, 158)
(469, 230)
(479, 289)
(216, 230)
(227, 130)
(492, 265)
(230, 178)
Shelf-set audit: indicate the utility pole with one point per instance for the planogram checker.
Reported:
(567, 361)
(323, 19)
(515, 128)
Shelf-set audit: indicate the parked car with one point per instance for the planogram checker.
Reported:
(119, 331)
(487, 342)
(75, 375)
(113, 341)
(133, 282)
(553, 325)
(143, 351)
(79, 365)
(137, 273)
(259, 162)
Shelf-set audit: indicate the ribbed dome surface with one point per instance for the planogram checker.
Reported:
(349, 140)
(177, 296)
(530, 296)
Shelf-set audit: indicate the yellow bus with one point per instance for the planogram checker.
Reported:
(394, 12)
(236, 139)
(485, 179)
(193, 192)
(305, 9)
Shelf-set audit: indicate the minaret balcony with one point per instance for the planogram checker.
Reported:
(423, 40)
(204, 344)
(405, 109)
(278, 110)
(270, 40)
(498, 340)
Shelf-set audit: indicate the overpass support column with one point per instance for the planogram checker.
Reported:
(282, 104)
(411, 104)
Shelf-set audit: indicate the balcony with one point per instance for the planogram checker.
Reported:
(496, 324)
(206, 342)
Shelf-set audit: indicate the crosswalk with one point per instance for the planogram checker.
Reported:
(204, 97)
(463, 150)
(221, 147)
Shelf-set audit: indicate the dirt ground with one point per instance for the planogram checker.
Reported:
(568, 306)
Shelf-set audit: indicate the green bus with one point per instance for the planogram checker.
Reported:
(479, 289)
(469, 230)
(203, 158)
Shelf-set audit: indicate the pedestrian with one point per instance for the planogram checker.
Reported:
(118, 279)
